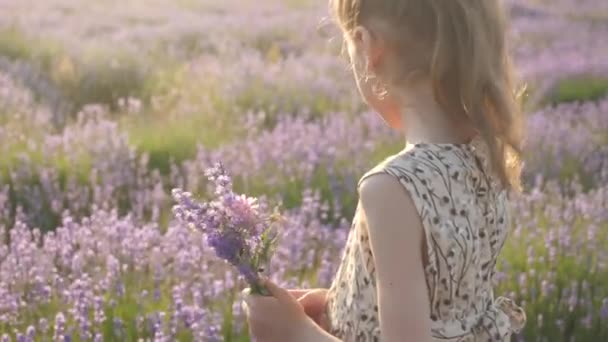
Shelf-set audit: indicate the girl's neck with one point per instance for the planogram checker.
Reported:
(425, 121)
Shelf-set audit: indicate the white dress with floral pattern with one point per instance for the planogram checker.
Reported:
(464, 214)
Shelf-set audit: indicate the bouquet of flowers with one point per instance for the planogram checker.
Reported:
(239, 228)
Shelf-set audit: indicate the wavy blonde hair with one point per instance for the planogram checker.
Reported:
(461, 46)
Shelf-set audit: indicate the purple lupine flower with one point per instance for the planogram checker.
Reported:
(157, 291)
(139, 322)
(559, 323)
(587, 321)
(30, 332)
(59, 329)
(99, 315)
(604, 309)
(119, 328)
(43, 323)
(236, 227)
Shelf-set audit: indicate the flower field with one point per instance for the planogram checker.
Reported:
(106, 106)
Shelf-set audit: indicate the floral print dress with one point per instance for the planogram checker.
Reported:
(465, 218)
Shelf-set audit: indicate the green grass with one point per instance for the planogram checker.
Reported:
(94, 75)
(101, 77)
(169, 140)
(16, 45)
(567, 268)
(166, 142)
(579, 89)
(46, 219)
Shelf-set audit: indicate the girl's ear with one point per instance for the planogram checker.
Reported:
(369, 46)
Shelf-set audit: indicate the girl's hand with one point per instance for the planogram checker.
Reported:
(314, 302)
(278, 318)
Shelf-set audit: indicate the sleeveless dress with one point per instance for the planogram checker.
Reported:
(464, 212)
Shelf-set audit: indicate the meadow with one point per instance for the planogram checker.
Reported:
(106, 106)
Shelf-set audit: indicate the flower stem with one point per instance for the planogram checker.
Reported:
(258, 289)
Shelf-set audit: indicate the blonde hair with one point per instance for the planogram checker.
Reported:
(461, 46)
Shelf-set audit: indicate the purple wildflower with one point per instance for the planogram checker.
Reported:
(44, 325)
(59, 326)
(604, 309)
(31, 333)
(235, 226)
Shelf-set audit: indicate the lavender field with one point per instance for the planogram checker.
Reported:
(106, 106)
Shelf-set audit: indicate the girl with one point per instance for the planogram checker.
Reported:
(432, 219)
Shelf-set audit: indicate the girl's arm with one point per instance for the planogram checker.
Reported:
(397, 238)
(316, 334)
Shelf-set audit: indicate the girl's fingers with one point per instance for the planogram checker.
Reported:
(298, 293)
(279, 293)
(313, 298)
(324, 322)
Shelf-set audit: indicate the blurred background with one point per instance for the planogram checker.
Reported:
(105, 106)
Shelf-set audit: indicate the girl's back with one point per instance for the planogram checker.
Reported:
(465, 217)
(419, 264)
